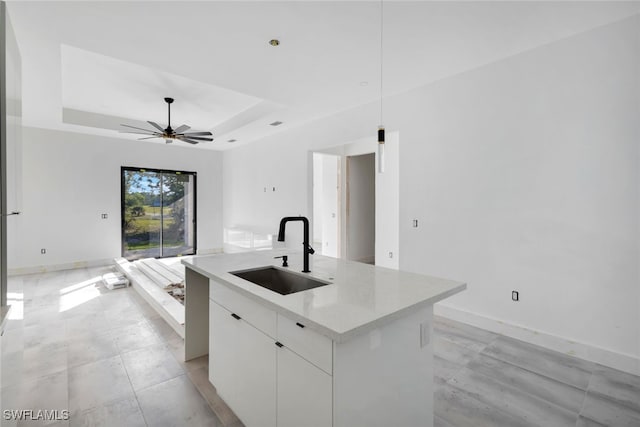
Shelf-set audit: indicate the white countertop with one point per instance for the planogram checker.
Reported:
(360, 298)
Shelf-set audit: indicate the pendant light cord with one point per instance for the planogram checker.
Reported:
(381, 55)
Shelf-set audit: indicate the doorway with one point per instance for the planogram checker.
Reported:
(326, 204)
(361, 208)
(158, 213)
(372, 223)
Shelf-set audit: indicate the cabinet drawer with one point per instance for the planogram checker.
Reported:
(253, 313)
(312, 346)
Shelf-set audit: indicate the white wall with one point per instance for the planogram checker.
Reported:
(330, 206)
(361, 208)
(325, 204)
(318, 199)
(70, 179)
(388, 204)
(523, 175)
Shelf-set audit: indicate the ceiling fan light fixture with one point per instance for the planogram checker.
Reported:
(169, 134)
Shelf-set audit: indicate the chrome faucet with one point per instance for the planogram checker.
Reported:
(305, 244)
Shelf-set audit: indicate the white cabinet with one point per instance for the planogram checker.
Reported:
(241, 367)
(222, 345)
(270, 373)
(273, 371)
(304, 392)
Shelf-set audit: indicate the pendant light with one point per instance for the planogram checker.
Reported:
(381, 126)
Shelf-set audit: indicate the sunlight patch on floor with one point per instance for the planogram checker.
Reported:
(75, 295)
(16, 301)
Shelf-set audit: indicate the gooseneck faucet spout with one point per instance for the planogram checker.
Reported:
(306, 247)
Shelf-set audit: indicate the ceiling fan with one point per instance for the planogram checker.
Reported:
(170, 134)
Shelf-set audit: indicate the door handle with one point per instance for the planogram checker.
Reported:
(12, 213)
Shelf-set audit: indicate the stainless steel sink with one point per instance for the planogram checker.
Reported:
(279, 281)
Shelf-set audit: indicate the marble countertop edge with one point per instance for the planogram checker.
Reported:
(371, 321)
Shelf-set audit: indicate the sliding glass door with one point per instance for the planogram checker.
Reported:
(158, 213)
(178, 213)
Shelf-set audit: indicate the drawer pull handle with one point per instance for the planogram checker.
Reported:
(235, 316)
(279, 344)
(300, 324)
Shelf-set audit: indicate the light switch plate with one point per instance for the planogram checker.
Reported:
(425, 334)
(374, 339)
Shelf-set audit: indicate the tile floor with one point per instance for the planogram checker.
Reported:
(484, 379)
(109, 359)
(105, 356)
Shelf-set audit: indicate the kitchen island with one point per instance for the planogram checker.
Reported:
(354, 352)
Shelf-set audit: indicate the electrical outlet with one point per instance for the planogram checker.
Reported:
(105, 216)
(273, 189)
(43, 251)
(415, 223)
(515, 295)
(390, 254)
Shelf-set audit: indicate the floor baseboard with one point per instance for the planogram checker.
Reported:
(211, 251)
(58, 267)
(83, 264)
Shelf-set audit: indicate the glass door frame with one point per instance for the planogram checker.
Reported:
(124, 169)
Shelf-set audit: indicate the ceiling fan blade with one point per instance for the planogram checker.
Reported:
(149, 137)
(190, 141)
(182, 128)
(155, 125)
(197, 133)
(133, 127)
(139, 133)
(195, 138)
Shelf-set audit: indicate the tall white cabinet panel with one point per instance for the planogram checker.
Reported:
(304, 392)
(222, 348)
(256, 358)
(241, 361)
